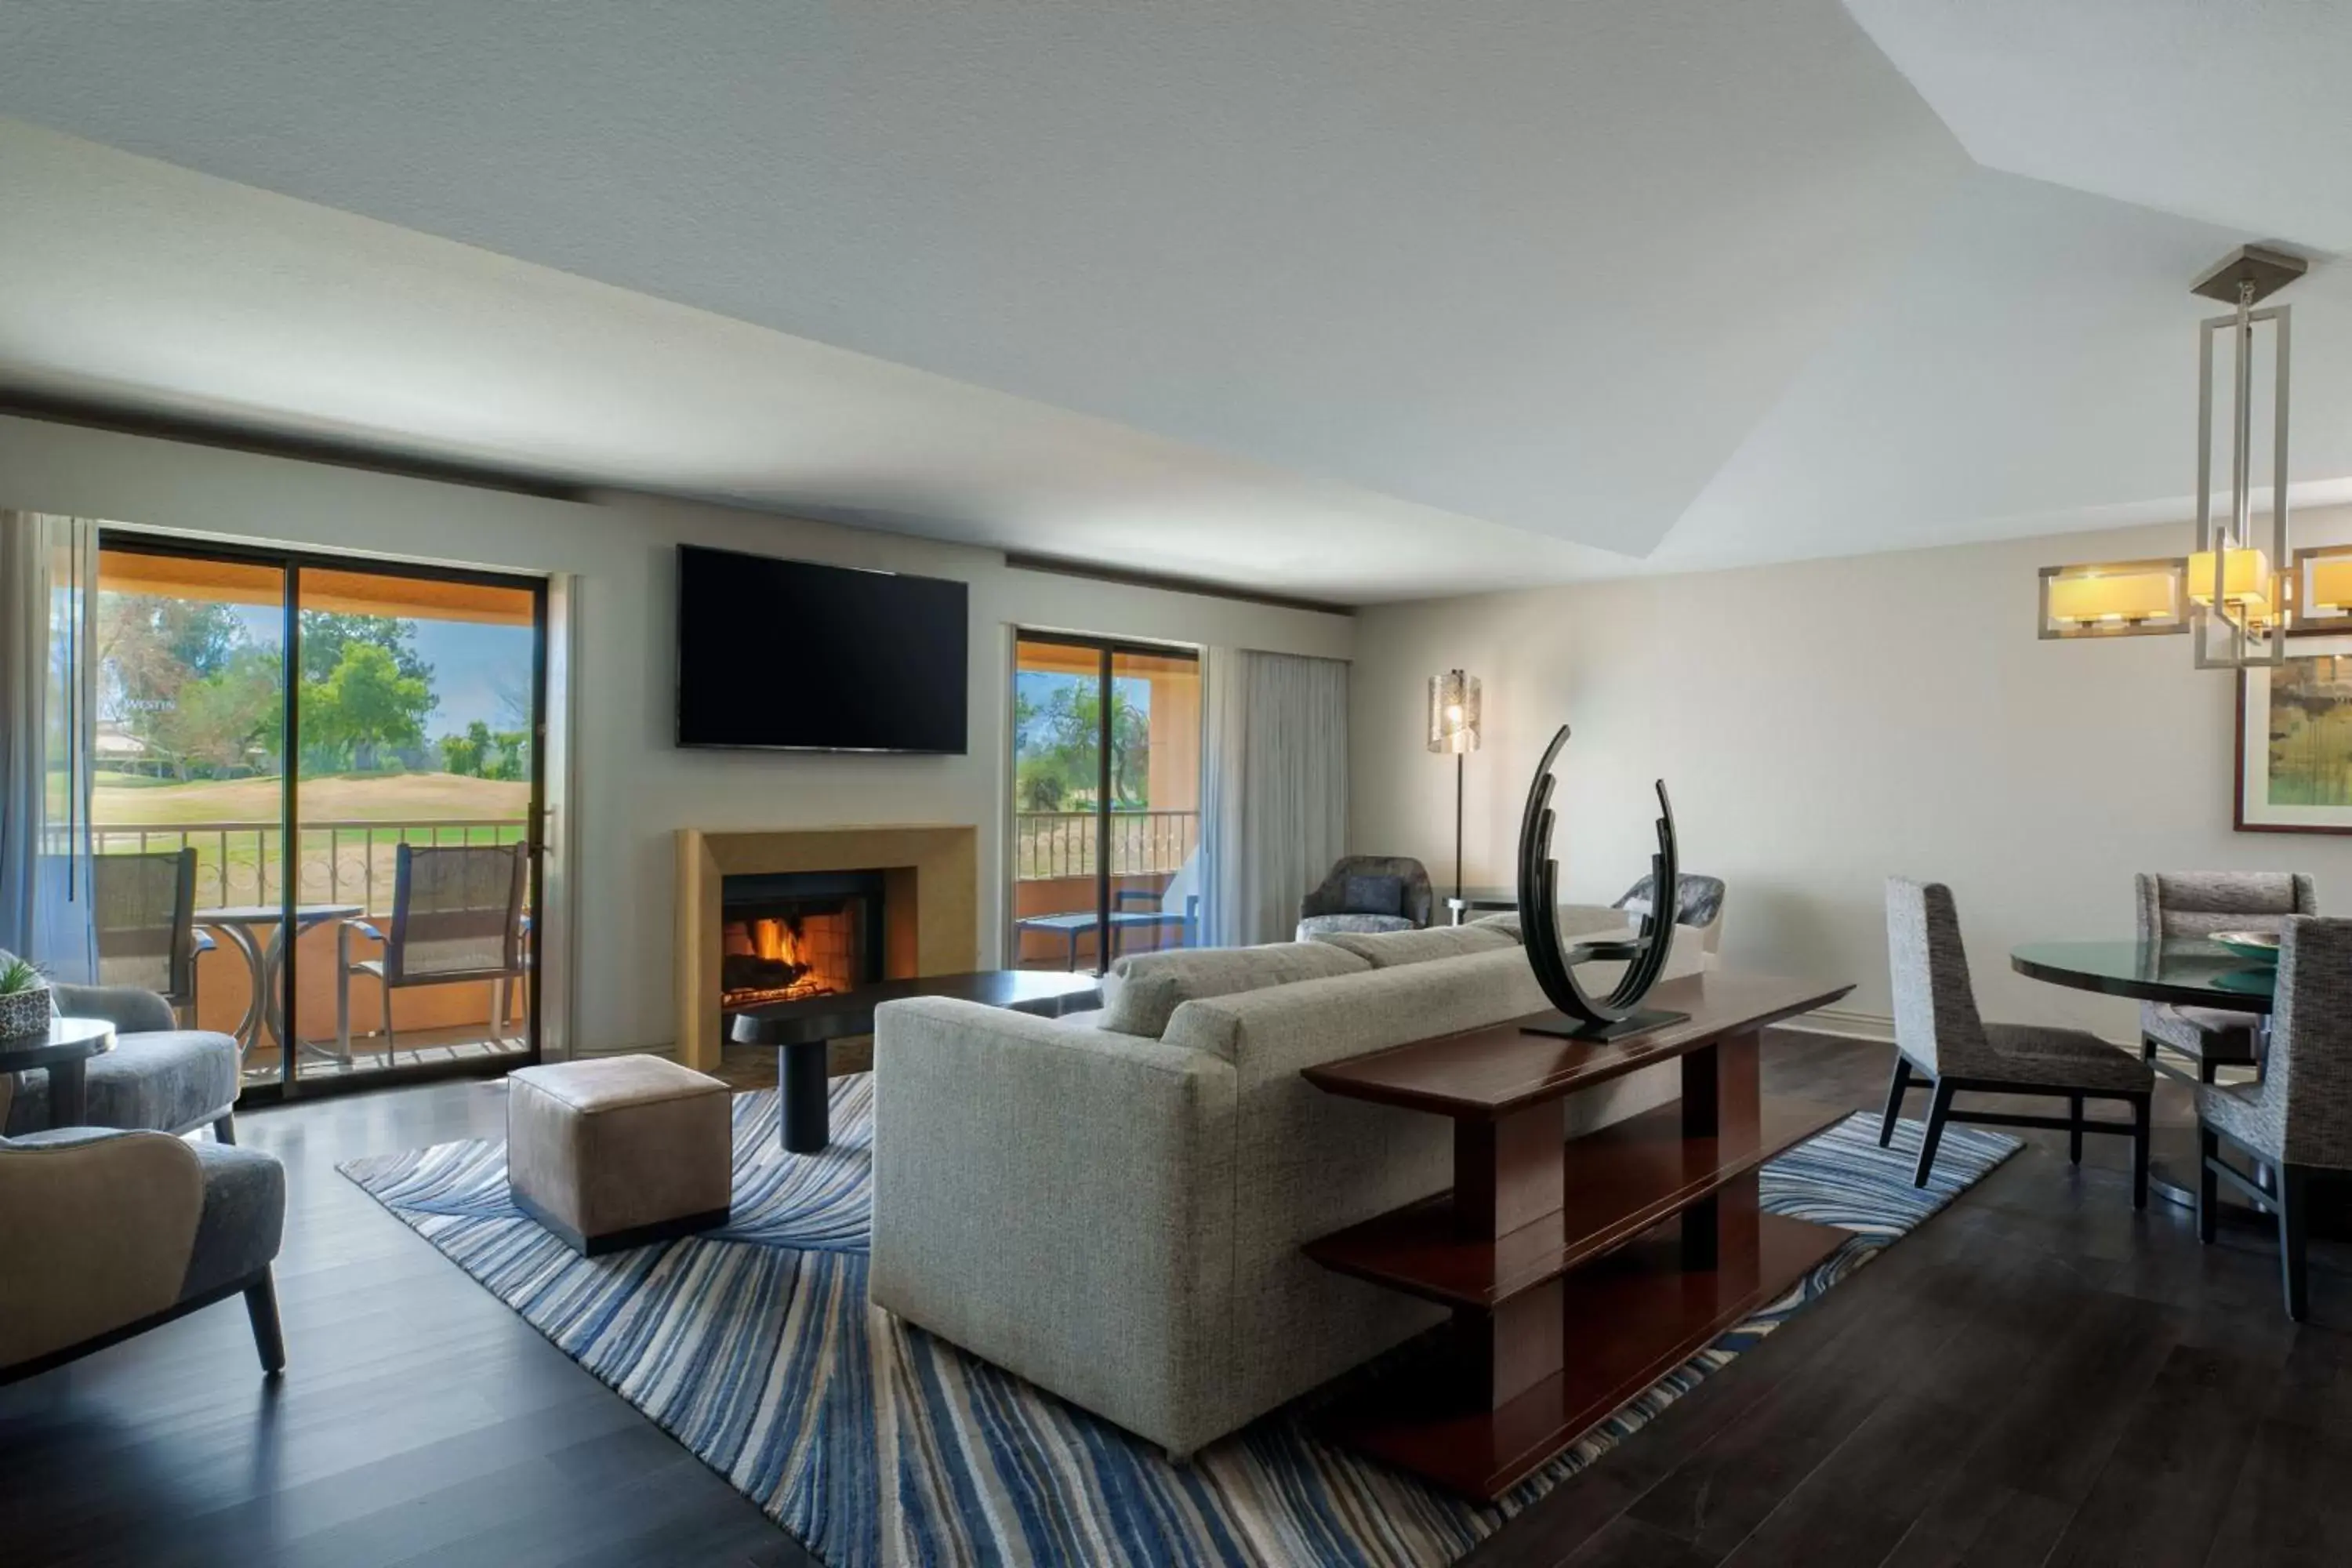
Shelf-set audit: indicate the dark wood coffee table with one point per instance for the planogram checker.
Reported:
(800, 1031)
(1580, 1270)
(65, 1051)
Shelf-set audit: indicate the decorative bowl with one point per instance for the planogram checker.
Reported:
(2260, 944)
(23, 1013)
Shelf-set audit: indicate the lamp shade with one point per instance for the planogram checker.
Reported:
(1454, 712)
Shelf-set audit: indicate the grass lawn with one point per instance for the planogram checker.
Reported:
(337, 797)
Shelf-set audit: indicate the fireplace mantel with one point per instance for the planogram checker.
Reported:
(932, 906)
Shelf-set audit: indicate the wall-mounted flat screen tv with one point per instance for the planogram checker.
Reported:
(791, 655)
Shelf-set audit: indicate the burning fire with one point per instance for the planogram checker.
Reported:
(768, 961)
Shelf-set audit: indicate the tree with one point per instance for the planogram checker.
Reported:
(366, 704)
(223, 722)
(466, 754)
(326, 634)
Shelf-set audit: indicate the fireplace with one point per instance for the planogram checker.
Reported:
(786, 935)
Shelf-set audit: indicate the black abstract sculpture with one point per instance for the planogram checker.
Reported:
(1614, 1015)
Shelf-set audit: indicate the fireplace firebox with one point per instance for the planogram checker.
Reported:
(786, 935)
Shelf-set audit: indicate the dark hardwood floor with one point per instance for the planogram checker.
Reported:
(2038, 1376)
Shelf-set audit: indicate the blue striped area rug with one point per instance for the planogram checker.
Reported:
(874, 1443)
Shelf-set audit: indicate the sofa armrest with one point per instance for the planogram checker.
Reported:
(1057, 1199)
(96, 1232)
(131, 1010)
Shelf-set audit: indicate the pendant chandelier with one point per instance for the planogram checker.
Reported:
(2241, 588)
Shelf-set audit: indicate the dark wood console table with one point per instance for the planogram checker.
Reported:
(1580, 1270)
(800, 1029)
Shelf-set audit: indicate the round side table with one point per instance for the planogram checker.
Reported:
(65, 1051)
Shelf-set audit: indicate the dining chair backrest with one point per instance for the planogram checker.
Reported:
(2305, 1099)
(2198, 903)
(1936, 1020)
(142, 908)
(457, 912)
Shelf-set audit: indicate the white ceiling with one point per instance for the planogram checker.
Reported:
(2233, 111)
(2032, 369)
(1362, 303)
(126, 283)
(1537, 263)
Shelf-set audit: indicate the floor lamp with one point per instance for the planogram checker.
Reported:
(1454, 727)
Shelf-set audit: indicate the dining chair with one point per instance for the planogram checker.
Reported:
(456, 916)
(143, 910)
(1940, 1037)
(2197, 904)
(2296, 1122)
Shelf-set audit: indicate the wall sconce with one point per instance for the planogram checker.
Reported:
(2116, 598)
(2322, 585)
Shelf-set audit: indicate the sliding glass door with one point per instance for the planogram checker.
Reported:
(1106, 800)
(317, 795)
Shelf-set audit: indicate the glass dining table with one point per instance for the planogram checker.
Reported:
(2186, 972)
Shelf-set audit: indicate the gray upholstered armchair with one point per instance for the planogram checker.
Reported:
(110, 1234)
(159, 1078)
(2296, 1123)
(1368, 893)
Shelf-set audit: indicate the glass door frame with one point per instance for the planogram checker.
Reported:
(1107, 651)
(289, 1084)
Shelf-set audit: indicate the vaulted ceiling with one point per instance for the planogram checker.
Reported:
(1363, 301)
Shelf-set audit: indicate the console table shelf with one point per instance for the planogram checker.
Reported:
(1629, 1321)
(1617, 1182)
(1580, 1270)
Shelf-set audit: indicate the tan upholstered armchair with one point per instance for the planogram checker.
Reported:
(104, 1234)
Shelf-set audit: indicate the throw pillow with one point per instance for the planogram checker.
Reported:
(1373, 895)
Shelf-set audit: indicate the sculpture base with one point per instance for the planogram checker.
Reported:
(1631, 1023)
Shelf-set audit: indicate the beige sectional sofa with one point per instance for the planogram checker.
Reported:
(1111, 1205)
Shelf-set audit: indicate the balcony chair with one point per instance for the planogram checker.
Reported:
(2296, 1122)
(159, 1078)
(110, 1234)
(2198, 904)
(143, 907)
(1177, 904)
(1367, 893)
(456, 916)
(1940, 1035)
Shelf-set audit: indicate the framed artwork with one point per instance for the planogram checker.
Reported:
(2295, 741)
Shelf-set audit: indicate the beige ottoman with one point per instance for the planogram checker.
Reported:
(619, 1152)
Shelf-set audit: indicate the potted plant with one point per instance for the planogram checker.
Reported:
(24, 999)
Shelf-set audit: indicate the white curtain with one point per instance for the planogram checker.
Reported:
(48, 689)
(1273, 790)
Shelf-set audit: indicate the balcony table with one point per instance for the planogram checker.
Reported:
(265, 959)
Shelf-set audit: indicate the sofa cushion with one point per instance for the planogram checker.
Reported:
(167, 1081)
(1387, 949)
(1317, 926)
(1143, 990)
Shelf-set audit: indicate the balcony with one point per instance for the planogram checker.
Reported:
(244, 863)
(1054, 871)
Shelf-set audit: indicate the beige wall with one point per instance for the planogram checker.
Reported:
(634, 787)
(1821, 725)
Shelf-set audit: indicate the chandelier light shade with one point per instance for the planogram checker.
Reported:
(2240, 589)
(1454, 712)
